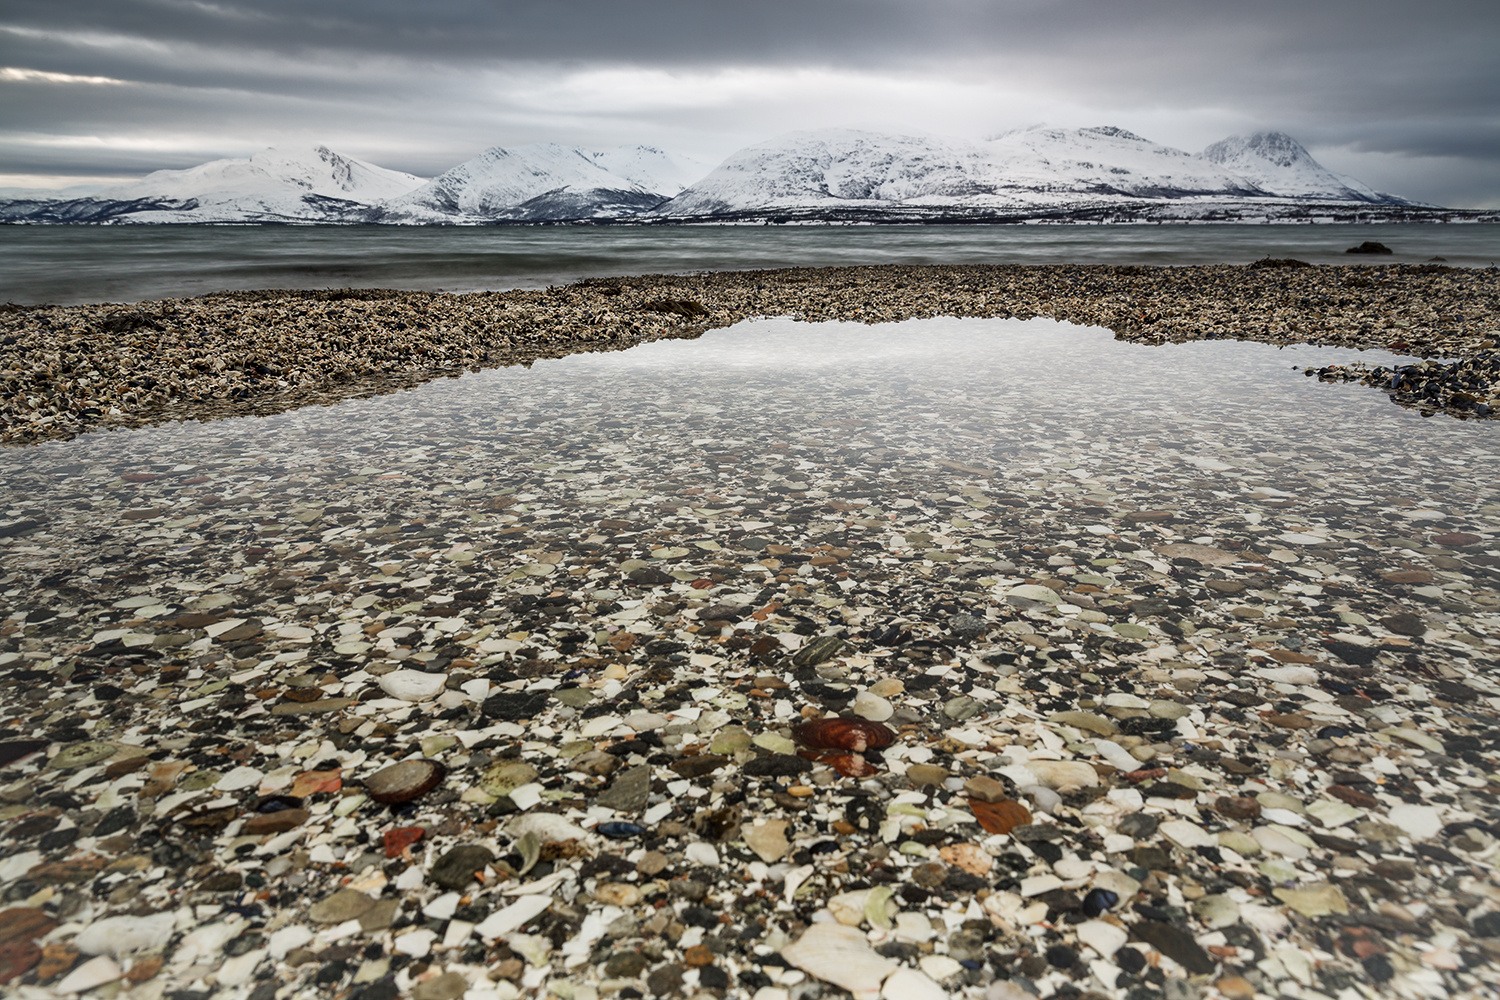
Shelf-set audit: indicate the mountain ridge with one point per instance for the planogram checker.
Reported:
(828, 174)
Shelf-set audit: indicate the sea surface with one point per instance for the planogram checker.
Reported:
(77, 264)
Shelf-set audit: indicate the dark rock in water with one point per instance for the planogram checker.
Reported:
(456, 869)
(114, 821)
(1404, 624)
(1487, 925)
(815, 652)
(1349, 652)
(629, 791)
(649, 576)
(1146, 725)
(665, 980)
(1370, 246)
(1139, 825)
(223, 882)
(1379, 967)
(512, 706)
(1177, 944)
(1151, 858)
(626, 965)
(1060, 956)
(697, 767)
(13, 750)
(968, 627)
(776, 766)
(620, 831)
(1097, 901)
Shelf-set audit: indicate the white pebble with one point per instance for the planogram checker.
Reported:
(872, 707)
(412, 685)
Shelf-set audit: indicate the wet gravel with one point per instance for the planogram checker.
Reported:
(64, 370)
(790, 663)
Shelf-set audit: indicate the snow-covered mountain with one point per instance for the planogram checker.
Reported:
(833, 173)
(538, 182)
(1029, 170)
(1278, 165)
(275, 185)
(651, 168)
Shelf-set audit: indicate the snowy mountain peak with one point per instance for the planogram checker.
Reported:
(1279, 165)
(1114, 133)
(1273, 147)
(536, 182)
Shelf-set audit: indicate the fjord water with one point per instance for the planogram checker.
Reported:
(76, 264)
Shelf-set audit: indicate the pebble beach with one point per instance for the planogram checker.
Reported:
(67, 369)
(749, 687)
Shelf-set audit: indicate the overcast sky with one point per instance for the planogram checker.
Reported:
(1401, 94)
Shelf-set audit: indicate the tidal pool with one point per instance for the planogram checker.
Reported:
(1182, 588)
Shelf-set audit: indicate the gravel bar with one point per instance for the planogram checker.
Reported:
(67, 369)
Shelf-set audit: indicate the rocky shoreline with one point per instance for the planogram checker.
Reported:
(67, 369)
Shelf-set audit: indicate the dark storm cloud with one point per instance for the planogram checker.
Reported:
(1377, 78)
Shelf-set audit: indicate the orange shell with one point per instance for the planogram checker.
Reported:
(1000, 817)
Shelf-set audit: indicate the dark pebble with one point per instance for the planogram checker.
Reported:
(1177, 944)
(776, 766)
(1487, 925)
(512, 706)
(1060, 956)
(117, 819)
(456, 869)
(625, 965)
(1404, 624)
(1379, 967)
(1139, 825)
(1099, 900)
(620, 831)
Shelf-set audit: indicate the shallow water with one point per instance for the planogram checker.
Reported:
(73, 264)
(978, 435)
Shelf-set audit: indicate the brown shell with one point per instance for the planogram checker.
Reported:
(1000, 817)
(854, 735)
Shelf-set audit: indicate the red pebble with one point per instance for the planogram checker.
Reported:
(401, 838)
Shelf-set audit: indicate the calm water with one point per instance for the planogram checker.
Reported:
(67, 265)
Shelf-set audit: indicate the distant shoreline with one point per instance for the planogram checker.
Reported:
(69, 369)
(1141, 214)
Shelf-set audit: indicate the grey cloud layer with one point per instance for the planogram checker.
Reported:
(1399, 79)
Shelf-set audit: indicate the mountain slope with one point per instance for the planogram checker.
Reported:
(653, 169)
(1105, 162)
(1278, 165)
(539, 182)
(275, 185)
